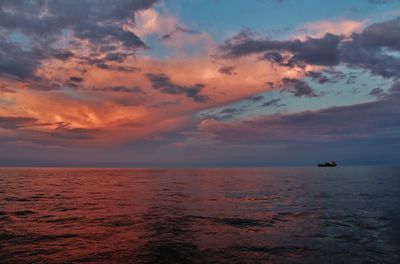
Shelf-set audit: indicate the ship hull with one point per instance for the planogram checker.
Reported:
(326, 165)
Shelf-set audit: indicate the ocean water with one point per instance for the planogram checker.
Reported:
(282, 215)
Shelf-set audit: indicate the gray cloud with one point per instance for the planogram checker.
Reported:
(76, 79)
(18, 63)
(298, 88)
(43, 22)
(227, 70)
(120, 89)
(177, 30)
(94, 20)
(256, 98)
(112, 67)
(367, 49)
(123, 89)
(329, 76)
(273, 56)
(15, 122)
(322, 51)
(376, 91)
(273, 102)
(164, 84)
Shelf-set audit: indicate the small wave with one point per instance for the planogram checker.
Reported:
(64, 220)
(7, 236)
(24, 213)
(44, 238)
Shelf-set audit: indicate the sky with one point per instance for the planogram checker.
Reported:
(190, 83)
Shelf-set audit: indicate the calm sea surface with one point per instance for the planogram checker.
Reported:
(293, 215)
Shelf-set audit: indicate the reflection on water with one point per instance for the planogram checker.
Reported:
(298, 215)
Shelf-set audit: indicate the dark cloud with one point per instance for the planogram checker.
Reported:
(228, 70)
(76, 79)
(109, 61)
(116, 56)
(273, 102)
(18, 63)
(395, 90)
(120, 89)
(376, 91)
(43, 22)
(256, 98)
(322, 51)
(328, 76)
(120, 68)
(273, 56)
(224, 114)
(230, 111)
(177, 30)
(62, 54)
(318, 77)
(123, 89)
(15, 122)
(164, 84)
(369, 49)
(298, 88)
(93, 20)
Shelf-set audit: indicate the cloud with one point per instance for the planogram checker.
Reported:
(328, 76)
(18, 63)
(121, 89)
(15, 122)
(163, 83)
(274, 56)
(256, 98)
(227, 70)
(376, 91)
(48, 27)
(369, 49)
(62, 54)
(178, 29)
(76, 79)
(224, 114)
(88, 63)
(119, 68)
(96, 21)
(317, 51)
(273, 102)
(298, 88)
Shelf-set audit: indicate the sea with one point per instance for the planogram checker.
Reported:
(256, 215)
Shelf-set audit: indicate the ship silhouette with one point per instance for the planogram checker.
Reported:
(328, 164)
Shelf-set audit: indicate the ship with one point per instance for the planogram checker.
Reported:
(327, 164)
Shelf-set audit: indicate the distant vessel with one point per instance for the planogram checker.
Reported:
(327, 164)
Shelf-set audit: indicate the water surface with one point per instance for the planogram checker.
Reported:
(294, 215)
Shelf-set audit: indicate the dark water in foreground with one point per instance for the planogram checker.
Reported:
(298, 215)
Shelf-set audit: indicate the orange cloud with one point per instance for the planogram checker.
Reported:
(78, 101)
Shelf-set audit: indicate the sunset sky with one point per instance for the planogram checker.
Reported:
(187, 83)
